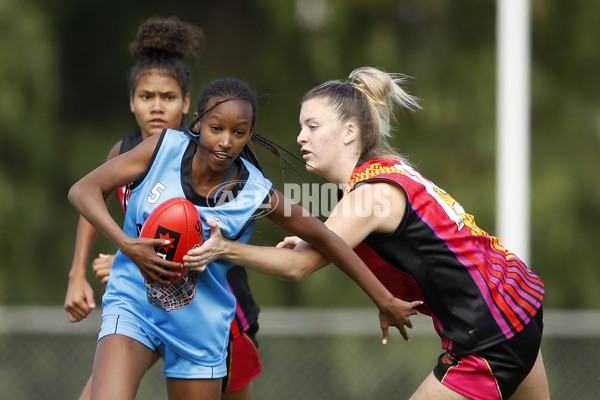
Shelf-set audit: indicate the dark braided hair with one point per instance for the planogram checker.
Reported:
(162, 43)
(234, 89)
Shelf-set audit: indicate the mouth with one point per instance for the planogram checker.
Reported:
(156, 122)
(305, 153)
(221, 155)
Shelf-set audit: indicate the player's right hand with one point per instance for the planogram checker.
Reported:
(153, 268)
(102, 265)
(198, 258)
(79, 301)
(397, 314)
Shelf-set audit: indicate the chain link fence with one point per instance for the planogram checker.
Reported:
(306, 354)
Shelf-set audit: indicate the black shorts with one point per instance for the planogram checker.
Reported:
(496, 372)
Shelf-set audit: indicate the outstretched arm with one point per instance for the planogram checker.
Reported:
(294, 264)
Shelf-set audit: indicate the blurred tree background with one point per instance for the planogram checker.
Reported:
(64, 103)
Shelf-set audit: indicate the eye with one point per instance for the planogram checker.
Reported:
(240, 132)
(170, 97)
(145, 97)
(312, 127)
(215, 128)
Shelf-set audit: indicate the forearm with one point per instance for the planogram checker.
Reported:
(351, 264)
(89, 194)
(84, 240)
(327, 246)
(283, 263)
(90, 203)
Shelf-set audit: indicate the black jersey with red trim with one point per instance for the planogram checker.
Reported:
(130, 140)
(477, 292)
(246, 316)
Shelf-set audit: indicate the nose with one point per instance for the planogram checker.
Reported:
(156, 105)
(301, 138)
(225, 140)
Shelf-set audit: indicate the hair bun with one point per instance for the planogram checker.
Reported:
(166, 37)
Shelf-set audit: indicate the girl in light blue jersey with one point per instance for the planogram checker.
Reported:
(190, 324)
(159, 99)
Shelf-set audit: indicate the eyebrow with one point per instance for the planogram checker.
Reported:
(168, 92)
(309, 120)
(220, 119)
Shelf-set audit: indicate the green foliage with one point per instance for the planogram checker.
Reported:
(64, 102)
(28, 143)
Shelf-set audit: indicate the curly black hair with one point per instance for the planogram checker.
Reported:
(163, 43)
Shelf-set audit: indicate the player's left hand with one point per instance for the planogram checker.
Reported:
(397, 314)
(198, 258)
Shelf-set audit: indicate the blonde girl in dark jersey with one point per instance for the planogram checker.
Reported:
(485, 304)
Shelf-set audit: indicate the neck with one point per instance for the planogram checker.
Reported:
(205, 179)
(341, 172)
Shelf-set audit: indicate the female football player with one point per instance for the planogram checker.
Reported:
(159, 98)
(485, 304)
(189, 322)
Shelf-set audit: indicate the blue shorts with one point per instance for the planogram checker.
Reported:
(174, 366)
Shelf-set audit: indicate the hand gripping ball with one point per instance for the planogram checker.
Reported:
(176, 220)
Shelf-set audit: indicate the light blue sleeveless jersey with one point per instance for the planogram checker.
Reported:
(197, 328)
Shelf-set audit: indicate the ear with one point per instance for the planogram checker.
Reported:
(186, 104)
(351, 133)
(194, 119)
(131, 103)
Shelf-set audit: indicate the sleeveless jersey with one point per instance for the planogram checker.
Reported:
(196, 329)
(477, 292)
(246, 315)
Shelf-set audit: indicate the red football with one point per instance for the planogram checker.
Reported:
(176, 220)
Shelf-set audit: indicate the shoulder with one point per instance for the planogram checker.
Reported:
(130, 140)
(174, 134)
(378, 195)
(250, 172)
(389, 171)
(251, 168)
(375, 167)
(170, 138)
(115, 150)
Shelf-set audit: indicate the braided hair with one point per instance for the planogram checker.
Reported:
(233, 89)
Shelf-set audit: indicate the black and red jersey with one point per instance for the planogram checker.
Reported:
(477, 292)
(130, 140)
